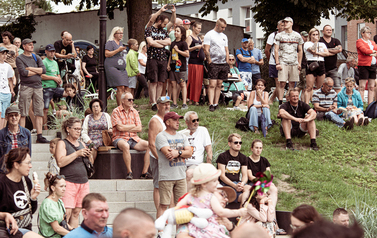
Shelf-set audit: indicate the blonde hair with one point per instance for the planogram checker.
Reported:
(230, 137)
(113, 31)
(350, 80)
(311, 32)
(196, 189)
(141, 46)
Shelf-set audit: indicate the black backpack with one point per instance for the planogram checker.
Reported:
(371, 110)
(243, 124)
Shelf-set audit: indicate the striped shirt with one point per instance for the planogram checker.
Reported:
(123, 117)
(325, 100)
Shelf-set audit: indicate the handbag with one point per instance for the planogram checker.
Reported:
(63, 224)
(88, 165)
(314, 65)
(23, 217)
(106, 138)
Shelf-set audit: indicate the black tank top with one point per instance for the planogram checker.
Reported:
(74, 172)
(196, 57)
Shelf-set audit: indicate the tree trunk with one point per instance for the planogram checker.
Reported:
(138, 13)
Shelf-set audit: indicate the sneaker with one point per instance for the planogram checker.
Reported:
(360, 122)
(289, 146)
(147, 175)
(129, 176)
(54, 112)
(154, 107)
(349, 124)
(366, 121)
(217, 107)
(211, 108)
(34, 131)
(174, 106)
(184, 107)
(235, 108)
(42, 140)
(314, 147)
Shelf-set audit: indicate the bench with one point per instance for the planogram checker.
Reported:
(110, 164)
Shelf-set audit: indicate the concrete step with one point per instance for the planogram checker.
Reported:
(40, 156)
(44, 148)
(48, 137)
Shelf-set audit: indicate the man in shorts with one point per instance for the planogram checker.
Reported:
(255, 68)
(200, 142)
(126, 123)
(244, 60)
(157, 38)
(155, 126)
(297, 119)
(30, 67)
(270, 54)
(288, 56)
(217, 55)
(172, 150)
(51, 81)
(6, 84)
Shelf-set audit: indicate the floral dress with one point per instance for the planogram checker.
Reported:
(213, 229)
(95, 128)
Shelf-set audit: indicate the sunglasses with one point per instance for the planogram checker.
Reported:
(237, 142)
(130, 99)
(57, 177)
(231, 59)
(165, 98)
(195, 120)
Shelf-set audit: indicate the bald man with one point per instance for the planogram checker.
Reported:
(249, 230)
(178, 22)
(133, 223)
(65, 49)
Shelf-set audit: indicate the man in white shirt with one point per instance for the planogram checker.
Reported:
(346, 70)
(199, 140)
(217, 55)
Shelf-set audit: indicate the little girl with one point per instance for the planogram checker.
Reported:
(205, 181)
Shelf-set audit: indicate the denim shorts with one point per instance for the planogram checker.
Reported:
(132, 82)
(4, 102)
(131, 142)
(50, 93)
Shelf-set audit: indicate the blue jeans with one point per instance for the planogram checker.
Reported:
(254, 118)
(332, 116)
(4, 103)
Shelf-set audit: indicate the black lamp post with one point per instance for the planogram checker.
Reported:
(102, 42)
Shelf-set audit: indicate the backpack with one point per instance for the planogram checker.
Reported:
(243, 124)
(371, 110)
(242, 52)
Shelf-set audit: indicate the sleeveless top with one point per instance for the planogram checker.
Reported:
(256, 102)
(74, 172)
(196, 56)
(163, 128)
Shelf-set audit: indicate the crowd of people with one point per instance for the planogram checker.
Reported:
(173, 59)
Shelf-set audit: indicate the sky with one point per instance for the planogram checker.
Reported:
(60, 8)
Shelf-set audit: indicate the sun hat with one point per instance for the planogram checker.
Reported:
(204, 173)
(229, 192)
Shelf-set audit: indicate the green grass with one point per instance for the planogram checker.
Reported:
(344, 166)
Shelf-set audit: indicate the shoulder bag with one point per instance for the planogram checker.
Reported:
(314, 65)
(63, 224)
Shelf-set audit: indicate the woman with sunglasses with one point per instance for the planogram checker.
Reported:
(18, 195)
(69, 154)
(366, 54)
(302, 216)
(351, 103)
(52, 211)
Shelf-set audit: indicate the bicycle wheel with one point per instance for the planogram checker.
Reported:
(75, 81)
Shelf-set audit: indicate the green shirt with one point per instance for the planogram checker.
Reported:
(52, 69)
(49, 212)
(132, 63)
(20, 51)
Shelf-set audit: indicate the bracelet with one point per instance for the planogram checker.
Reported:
(234, 226)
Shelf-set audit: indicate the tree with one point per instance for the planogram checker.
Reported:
(23, 27)
(16, 8)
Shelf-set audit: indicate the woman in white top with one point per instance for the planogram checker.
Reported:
(142, 58)
(315, 52)
(258, 104)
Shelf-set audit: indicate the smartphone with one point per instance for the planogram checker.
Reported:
(169, 6)
(91, 145)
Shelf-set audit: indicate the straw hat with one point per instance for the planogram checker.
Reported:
(204, 173)
(229, 192)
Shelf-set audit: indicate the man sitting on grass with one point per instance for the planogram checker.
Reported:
(297, 119)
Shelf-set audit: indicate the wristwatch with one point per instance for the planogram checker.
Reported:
(179, 153)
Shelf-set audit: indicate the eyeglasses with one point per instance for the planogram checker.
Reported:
(237, 142)
(130, 99)
(329, 86)
(195, 120)
(121, 33)
(368, 32)
(224, 194)
(77, 128)
(28, 163)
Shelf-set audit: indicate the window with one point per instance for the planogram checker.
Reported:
(230, 12)
(248, 20)
(344, 37)
(259, 44)
(214, 15)
(359, 26)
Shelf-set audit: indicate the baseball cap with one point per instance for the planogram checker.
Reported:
(163, 99)
(172, 115)
(244, 40)
(3, 49)
(186, 22)
(288, 19)
(50, 47)
(304, 33)
(11, 109)
(27, 41)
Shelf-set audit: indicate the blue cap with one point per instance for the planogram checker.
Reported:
(50, 47)
(244, 40)
(3, 49)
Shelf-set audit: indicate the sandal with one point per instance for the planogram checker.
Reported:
(281, 232)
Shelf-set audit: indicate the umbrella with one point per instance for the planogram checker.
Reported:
(263, 124)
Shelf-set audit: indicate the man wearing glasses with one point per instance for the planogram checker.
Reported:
(232, 163)
(325, 103)
(126, 124)
(199, 140)
(244, 60)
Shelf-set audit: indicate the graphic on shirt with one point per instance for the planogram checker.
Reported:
(288, 43)
(233, 167)
(3, 77)
(177, 144)
(20, 199)
(120, 62)
(193, 148)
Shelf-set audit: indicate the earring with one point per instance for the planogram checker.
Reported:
(67, 133)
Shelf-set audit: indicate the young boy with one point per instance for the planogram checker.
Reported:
(132, 64)
(6, 84)
(52, 165)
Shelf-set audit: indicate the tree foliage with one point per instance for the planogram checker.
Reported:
(15, 8)
(23, 27)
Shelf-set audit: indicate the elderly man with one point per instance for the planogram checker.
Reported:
(126, 123)
(217, 55)
(133, 223)
(65, 49)
(297, 119)
(155, 126)
(325, 103)
(13, 135)
(200, 142)
(255, 68)
(172, 150)
(30, 67)
(95, 212)
(346, 70)
(244, 59)
(341, 217)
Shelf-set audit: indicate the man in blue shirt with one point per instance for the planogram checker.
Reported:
(257, 54)
(95, 212)
(244, 60)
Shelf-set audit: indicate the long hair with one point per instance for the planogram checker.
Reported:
(113, 31)
(142, 44)
(183, 32)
